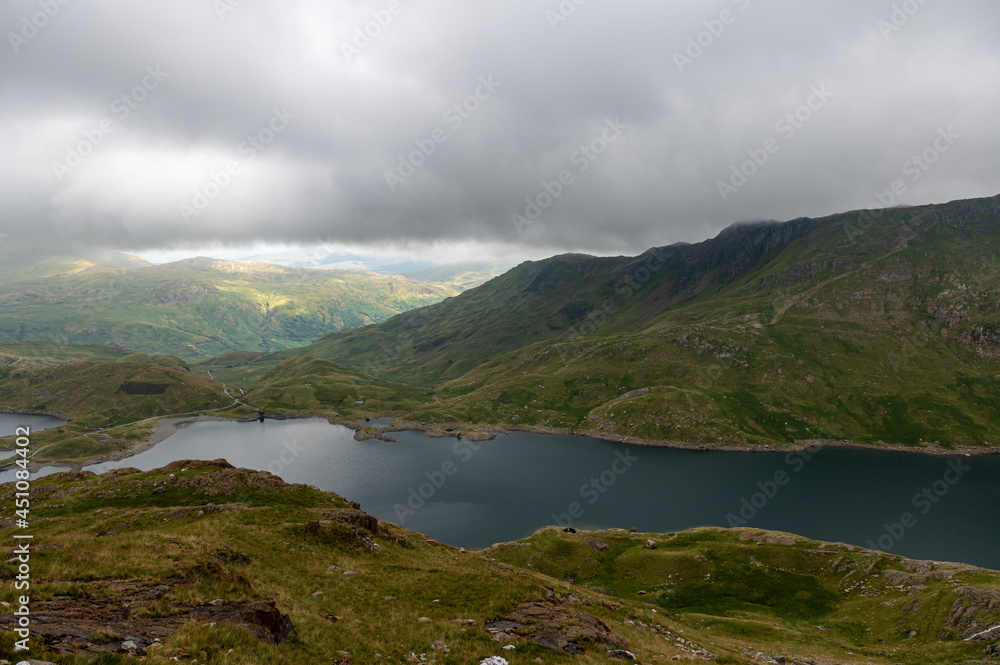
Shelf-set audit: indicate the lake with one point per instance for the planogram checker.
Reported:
(475, 494)
(9, 422)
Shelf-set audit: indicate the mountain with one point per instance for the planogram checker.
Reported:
(338, 260)
(200, 561)
(878, 328)
(463, 274)
(197, 307)
(21, 269)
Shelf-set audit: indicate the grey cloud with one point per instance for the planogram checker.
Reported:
(324, 177)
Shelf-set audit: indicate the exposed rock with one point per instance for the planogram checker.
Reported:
(598, 545)
(769, 538)
(985, 338)
(555, 624)
(650, 544)
(621, 654)
(899, 578)
(67, 623)
(970, 603)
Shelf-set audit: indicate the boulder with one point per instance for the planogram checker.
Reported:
(598, 545)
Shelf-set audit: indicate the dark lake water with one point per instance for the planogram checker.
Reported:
(10, 422)
(8, 427)
(475, 494)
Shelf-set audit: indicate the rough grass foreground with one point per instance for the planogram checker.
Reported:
(201, 562)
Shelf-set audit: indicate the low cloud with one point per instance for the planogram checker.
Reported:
(148, 105)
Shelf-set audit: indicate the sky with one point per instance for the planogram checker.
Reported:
(493, 129)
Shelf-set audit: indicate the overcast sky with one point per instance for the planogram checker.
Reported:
(127, 124)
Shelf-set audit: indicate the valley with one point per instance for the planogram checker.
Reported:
(836, 348)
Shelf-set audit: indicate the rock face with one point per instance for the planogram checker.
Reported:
(770, 538)
(555, 624)
(598, 545)
(66, 624)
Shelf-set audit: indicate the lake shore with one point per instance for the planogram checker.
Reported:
(163, 429)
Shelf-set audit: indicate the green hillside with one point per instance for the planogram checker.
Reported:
(95, 396)
(197, 308)
(873, 330)
(50, 353)
(309, 385)
(201, 562)
(755, 269)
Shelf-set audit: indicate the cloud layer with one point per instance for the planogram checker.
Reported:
(542, 124)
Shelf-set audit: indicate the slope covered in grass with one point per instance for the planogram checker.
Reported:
(200, 307)
(201, 561)
(309, 385)
(100, 395)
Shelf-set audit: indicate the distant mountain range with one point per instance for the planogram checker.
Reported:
(875, 328)
(464, 274)
(198, 307)
(866, 327)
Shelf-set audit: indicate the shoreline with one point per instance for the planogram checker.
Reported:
(167, 427)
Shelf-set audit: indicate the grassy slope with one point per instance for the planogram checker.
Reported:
(876, 342)
(238, 535)
(541, 300)
(97, 395)
(200, 307)
(575, 294)
(50, 353)
(309, 385)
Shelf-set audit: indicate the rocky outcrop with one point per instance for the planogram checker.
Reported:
(975, 609)
(554, 624)
(118, 622)
(986, 339)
